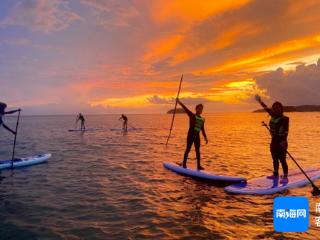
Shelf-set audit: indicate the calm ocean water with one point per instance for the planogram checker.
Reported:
(110, 185)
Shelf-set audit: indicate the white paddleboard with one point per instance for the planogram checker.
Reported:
(23, 162)
(202, 175)
(263, 185)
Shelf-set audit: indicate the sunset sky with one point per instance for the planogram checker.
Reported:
(114, 56)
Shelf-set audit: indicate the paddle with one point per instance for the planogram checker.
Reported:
(15, 139)
(316, 190)
(131, 126)
(175, 108)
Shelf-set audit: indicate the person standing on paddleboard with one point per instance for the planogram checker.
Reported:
(196, 126)
(3, 107)
(279, 128)
(125, 122)
(82, 121)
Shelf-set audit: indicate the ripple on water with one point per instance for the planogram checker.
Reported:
(110, 185)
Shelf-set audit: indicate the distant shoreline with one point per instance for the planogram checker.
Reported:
(178, 110)
(302, 108)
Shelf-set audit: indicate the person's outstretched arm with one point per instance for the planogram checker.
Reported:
(204, 134)
(9, 129)
(190, 114)
(265, 107)
(13, 111)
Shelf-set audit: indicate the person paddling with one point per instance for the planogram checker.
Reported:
(279, 129)
(125, 122)
(82, 121)
(196, 125)
(3, 106)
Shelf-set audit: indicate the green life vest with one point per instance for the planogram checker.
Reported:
(274, 128)
(199, 121)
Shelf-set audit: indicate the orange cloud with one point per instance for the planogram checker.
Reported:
(224, 40)
(233, 91)
(191, 10)
(160, 48)
(180, 48)
(284, 51)
(225, 91)
(134, 101)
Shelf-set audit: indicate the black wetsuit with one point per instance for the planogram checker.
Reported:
(82, 120)
(1, 121)
(279, 128)
(195, 127)
(125, 119)
(2, 112)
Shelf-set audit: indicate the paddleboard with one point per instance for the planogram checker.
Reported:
(263, 185)
(23, 162)
(202, 175)
(83, 130)
(121, 129)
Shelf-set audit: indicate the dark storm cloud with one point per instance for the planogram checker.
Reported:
(301, 86)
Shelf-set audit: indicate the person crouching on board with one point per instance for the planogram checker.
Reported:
(279, 128)
(196, 126)
(82, 121)
(125, 122)
(3, 107)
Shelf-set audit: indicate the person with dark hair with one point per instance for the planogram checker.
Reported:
(82, 120)
(279, 128)
(196, 125)
(3, 107)
(125, 122)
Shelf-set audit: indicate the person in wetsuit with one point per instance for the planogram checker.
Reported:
(82, 121)
(279, 128)
(3, 107)
(195, 127)
(125, 122)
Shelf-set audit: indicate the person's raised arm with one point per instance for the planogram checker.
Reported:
(185, 108)
(13, 111)
(265, 107)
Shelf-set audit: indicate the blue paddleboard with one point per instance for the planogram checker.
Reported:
(202, 175)
(24, 162)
